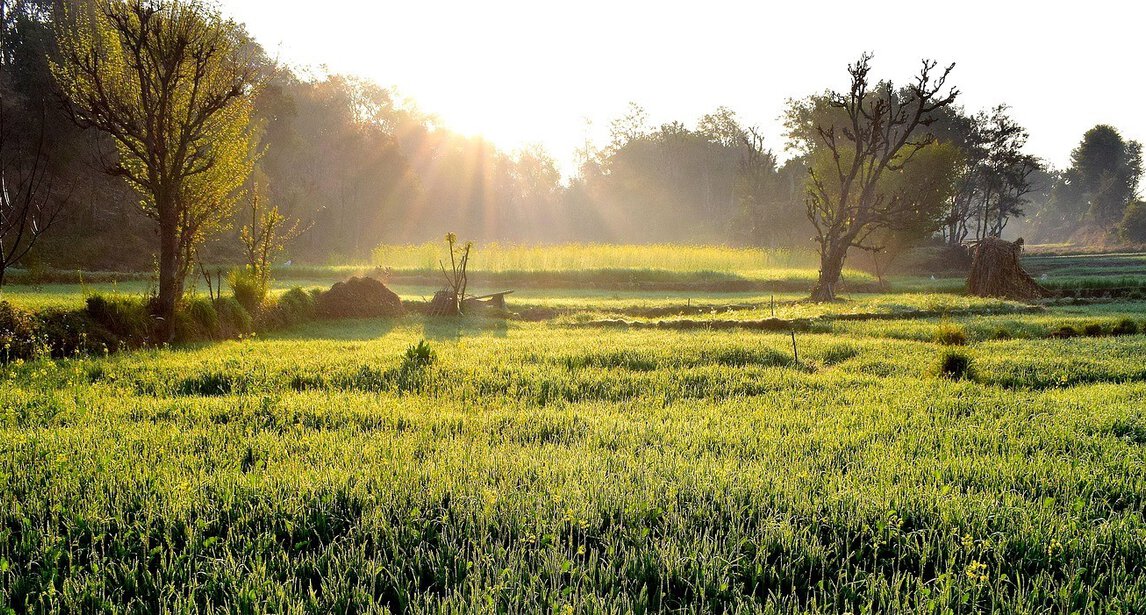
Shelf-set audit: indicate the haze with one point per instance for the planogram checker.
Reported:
(533, 72)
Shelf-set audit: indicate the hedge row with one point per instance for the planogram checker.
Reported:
(111, 324)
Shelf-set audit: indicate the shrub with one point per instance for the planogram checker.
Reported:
(234, 319)
(68, 333)
(1094, 329)
(950, 335)
(955, 365)
(1125, 327)
(295, 306)
(1064, 332)
(1132, 227)
(413, 373)
(127, 321)
(17, 334)
(247, 289)
(198, 320)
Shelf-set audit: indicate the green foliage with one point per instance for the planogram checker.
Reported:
(1132, 228)
(124, 318)
(418, 356)
(1065, 332)
(197, 320)
(247, 288)
(17, 333)
(296, 305)
(1093, 329)
(234, 319)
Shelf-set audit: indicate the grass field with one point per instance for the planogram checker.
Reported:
(566, 466)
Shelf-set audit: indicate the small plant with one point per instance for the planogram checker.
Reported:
(955, 365)
(413, 374)
(1125, 327)
(419, 355)
(950, 335)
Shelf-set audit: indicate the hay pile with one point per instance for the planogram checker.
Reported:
(358, 298)
(996, 272)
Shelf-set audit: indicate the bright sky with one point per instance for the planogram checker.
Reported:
(533, 71)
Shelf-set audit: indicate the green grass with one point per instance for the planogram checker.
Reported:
(528, 467)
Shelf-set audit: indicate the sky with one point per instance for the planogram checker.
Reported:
(552, 72)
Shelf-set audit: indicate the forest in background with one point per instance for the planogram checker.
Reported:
(355, 166)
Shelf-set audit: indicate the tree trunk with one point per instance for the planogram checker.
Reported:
(831, 266)
(170, 278)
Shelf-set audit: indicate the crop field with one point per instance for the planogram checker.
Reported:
(562, 466)
(615, 449)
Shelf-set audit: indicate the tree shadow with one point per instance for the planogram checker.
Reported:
(347, 329)
(454, 328)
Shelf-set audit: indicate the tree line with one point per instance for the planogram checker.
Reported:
(113, 108)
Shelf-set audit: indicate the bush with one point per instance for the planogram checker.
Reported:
(295, 306)
(234, 319)
(1002, 333)
(198, 320)
(950, 335)
(955, 365)
(1132, 227)
(418, 356)
(1064, 332)
(17, 334)
(1125, 327)
(69, 333)
(247, 289)
(128, 321)
(1094, 330)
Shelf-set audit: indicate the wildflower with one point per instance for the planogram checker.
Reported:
(977, 571)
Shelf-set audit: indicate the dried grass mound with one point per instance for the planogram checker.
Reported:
(996, 272)
(359, 298)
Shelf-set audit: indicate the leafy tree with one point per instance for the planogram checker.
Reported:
(995, 180)
(855, 140)
(1132, 228)
(172, 84)
(1107, 169)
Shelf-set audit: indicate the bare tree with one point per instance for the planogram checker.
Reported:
(879, 132)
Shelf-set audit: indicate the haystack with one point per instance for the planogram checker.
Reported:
(996, 272)
(359, 298)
